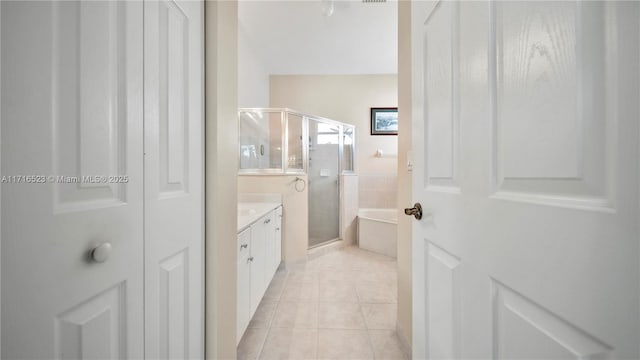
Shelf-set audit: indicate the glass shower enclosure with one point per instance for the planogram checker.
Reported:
(284, 141)
(324, 182)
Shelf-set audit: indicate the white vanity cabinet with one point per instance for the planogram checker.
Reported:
(259, 260)
(270, 241)
(277, 241)
(244, 281)
(259, 255)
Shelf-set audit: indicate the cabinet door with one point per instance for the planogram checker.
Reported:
(244, 283)
(278, 237)
(258, 262)
(269, 231)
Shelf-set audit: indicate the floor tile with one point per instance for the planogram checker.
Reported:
(300, 291)
(302, 276)
(291, 314)
(263, 315)
(345, 315)
(334, 276)
(361, 275)
(340, 305)
(376, 292)
(337, 291)
(251, 343)
(380, 316)
(286, 343)
(280, 275)
(344, 344)
(386, 345)
(274, 291)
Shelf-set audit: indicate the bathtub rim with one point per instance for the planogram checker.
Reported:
(393, 221)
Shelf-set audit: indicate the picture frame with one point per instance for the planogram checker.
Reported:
(384, 121)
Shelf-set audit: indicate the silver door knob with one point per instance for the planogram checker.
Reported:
(416, 211)
(101, 252)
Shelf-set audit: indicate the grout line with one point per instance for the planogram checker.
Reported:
(318, 330)
(269, 327)
(366, 325)
(264, 341)
(359, 301)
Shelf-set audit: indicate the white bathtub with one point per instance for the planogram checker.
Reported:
(377, 230)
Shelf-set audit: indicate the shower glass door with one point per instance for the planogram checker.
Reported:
(324, 177)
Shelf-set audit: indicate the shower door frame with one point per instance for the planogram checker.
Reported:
(340, 171)
(284, 170)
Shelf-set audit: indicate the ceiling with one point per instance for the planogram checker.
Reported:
(294, 37)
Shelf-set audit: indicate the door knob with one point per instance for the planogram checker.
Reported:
(101, 252)
(416, 211)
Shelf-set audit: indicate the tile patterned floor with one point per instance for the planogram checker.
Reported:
(341, 305)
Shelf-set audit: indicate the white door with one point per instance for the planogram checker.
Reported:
(174, 197)
(71, 108)
(526, 145)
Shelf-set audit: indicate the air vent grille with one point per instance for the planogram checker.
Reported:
(374, 1)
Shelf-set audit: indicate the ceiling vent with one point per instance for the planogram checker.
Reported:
(374, 1)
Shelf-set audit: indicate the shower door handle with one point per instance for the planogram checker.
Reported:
(416, 211)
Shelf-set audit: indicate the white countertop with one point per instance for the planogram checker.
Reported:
(249, 212)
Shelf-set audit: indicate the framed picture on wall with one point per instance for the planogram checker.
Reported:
(384, 121)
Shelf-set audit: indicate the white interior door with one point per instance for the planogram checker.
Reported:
(71, 108)
(526, 145)
(174, 199)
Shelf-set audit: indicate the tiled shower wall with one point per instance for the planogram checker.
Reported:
(350, 207)
(378, 191)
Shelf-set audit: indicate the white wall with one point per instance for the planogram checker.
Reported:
(404, 176)
(221, 163)
(295, 211)
(253, 77)
(349, 198)
(345, 98)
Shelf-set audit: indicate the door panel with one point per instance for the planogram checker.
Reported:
(441, 149)
(551, 103)
(174, 179)
(444, 286)
(89, 121)
(525, 330)
(93, 329)
(71, 114)
(174, 311)
(527, 170)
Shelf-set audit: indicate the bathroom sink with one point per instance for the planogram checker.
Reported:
(249, 212)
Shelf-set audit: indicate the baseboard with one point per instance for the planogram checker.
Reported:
(403, 341)
(325, 249)
(288, 265)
